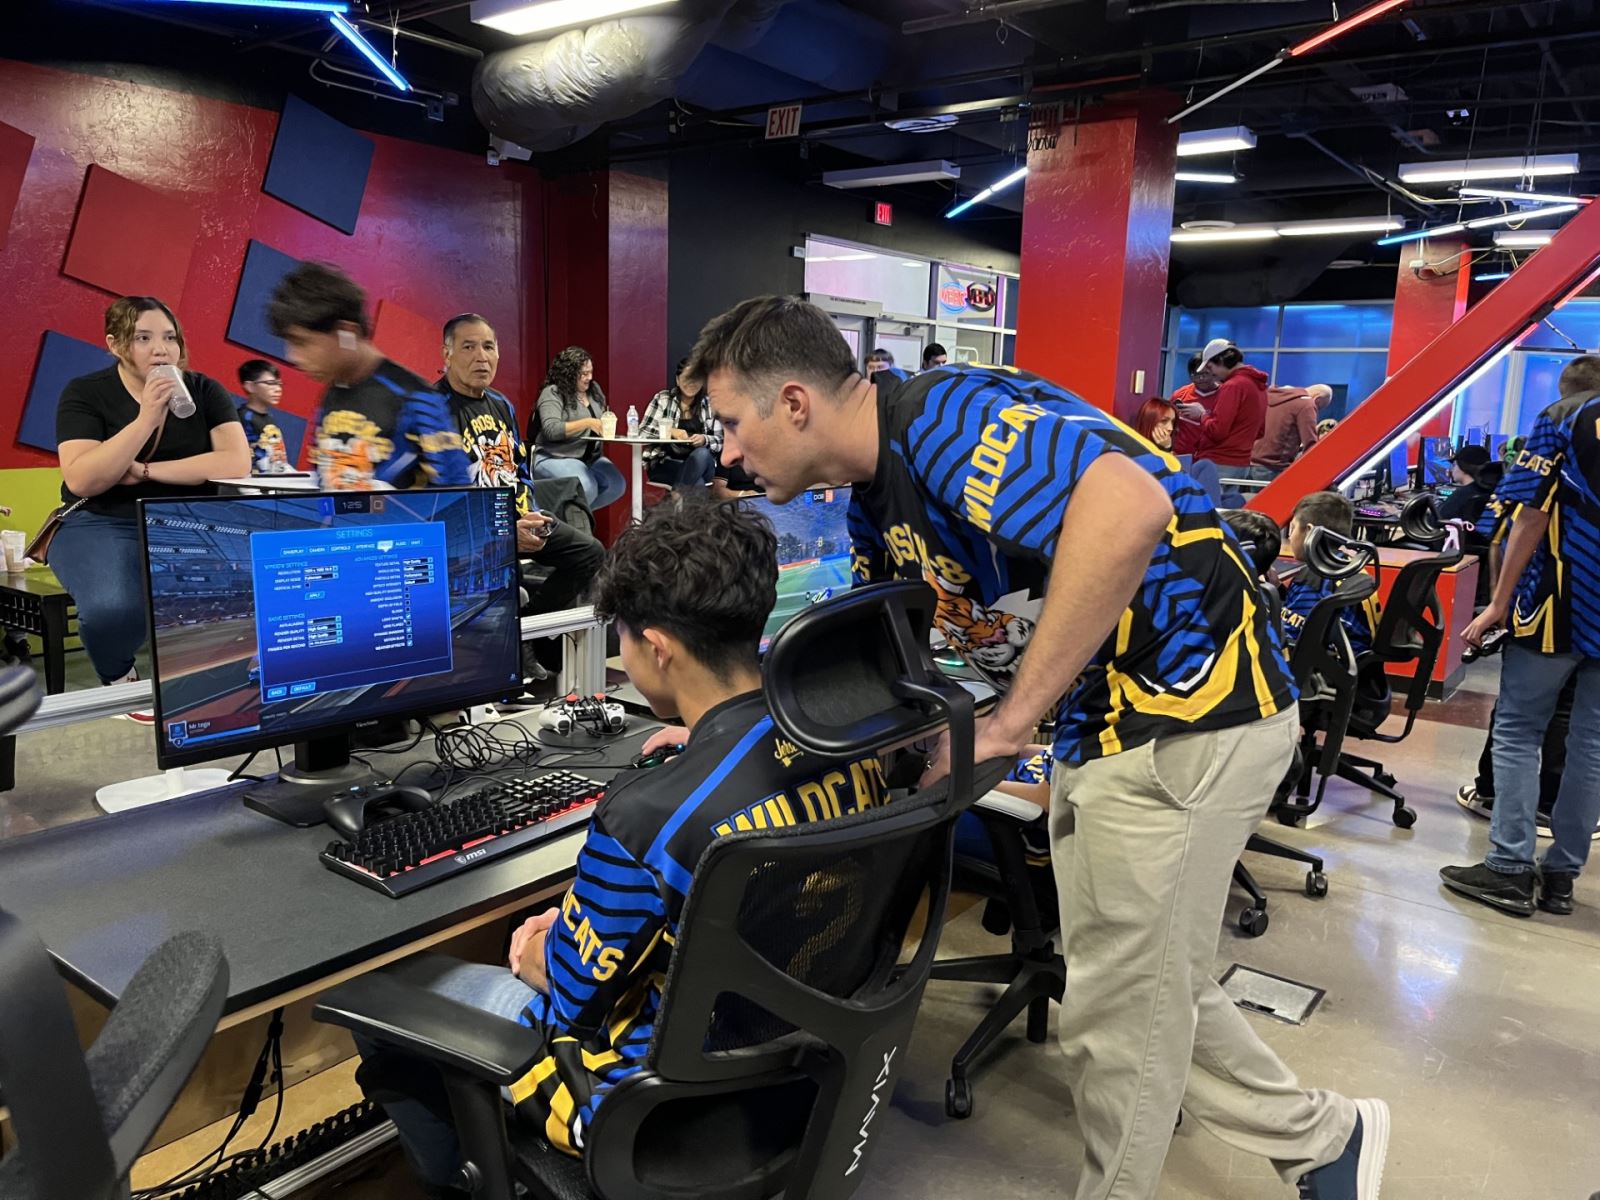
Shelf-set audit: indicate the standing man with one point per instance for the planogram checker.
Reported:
(1291, 428)
(1547, 589)
(1238, 417)
(498, 457)
(1175, 712)
(263, 392)
(379, 426)
(1194, 400)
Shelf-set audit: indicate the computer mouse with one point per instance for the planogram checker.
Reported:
(348, 814)
(658, 756)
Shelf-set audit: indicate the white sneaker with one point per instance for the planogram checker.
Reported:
(143, 716)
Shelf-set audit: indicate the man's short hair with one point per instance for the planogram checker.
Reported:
(253, 369)
(1195, 362)
(460, 319)
(881, 355)
(1260, 534)
(1582, 374)
(1328, 509)
(768, 340)
(317, 297)
(933, 350)
(705, 572)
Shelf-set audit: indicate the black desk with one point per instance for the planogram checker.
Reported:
(104, 893)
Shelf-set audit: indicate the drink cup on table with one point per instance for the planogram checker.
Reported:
(608, 425)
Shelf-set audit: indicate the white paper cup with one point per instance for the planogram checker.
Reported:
(14, 542)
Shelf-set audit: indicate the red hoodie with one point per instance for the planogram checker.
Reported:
(1291, 427)
(1186, 433)
(1237, 419)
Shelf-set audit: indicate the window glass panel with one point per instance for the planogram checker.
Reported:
(1184, 329)
(1483, 402)
(1353, 377)
(1539, 386)
(1578, 319)
(899, 284)
(968, 295)
(973, 346)
(1362, 326)
(1247, 328)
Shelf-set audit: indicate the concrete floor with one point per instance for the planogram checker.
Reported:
(1479, 1029)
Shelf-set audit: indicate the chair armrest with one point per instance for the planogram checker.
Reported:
(1007, 805)
(431, 1026)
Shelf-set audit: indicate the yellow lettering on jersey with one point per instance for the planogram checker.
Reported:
(906, 546)
(816, 800)
(437, 443)
(1535, 462)
(989, 462)
(831, 783)
(569, 911)
(485, 423)
(610, 959)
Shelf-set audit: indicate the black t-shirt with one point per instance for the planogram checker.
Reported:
(97, 407)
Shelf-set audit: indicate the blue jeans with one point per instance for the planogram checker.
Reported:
(429, 1142)
(602, 483)
(1530, 685)
(696, 469)
(98, 560)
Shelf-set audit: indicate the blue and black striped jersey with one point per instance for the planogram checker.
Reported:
(1360, 621)
(1557, 604)
(975, 469)
(390, 428)
(607, 953)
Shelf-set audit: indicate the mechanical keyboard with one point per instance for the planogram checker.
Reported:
(401, 854)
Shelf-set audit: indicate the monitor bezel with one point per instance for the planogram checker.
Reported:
(167, 758)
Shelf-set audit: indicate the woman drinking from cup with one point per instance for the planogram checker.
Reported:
(143, 427)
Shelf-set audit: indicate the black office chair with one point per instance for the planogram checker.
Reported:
(1021, 902)
(1411, 630)
(81, 1118)
(779, 1040)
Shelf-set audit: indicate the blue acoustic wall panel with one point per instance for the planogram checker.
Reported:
(318, 165)
(263, 268)
(61, 359)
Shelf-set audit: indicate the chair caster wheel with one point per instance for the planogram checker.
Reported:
(1253, 921)
(1316, 884)
(1405, 818)
(1289, 818)
(958, 1099)
(1384, 778)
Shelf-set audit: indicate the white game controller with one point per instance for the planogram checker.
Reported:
(598, 715)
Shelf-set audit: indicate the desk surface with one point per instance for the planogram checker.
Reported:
(104, 893)
(36, 581)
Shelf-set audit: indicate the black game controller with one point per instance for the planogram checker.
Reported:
(352, 811)
(657, 756)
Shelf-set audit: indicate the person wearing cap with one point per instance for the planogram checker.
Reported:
(1238, 417)
(1475, 477)
(1291, 428)
(1194, 400)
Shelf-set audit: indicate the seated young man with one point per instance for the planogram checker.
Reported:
(689, 588)
(1331, 511)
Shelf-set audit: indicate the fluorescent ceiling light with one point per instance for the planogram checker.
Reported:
(933, 170)
(1523, 238)
(519, 18)
(1482, 193)
(1234, 233)
(1418, 234)
(324, 6)
(1487, 276)
(366, 51)
(1215, 141)
(1513, 217)
(1462, 169)
(1339, 225)
(1206, 177)
(1019, 173)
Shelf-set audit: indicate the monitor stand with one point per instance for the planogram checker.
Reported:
(153, 789)
(322, 769)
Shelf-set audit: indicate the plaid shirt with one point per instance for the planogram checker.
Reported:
(663, 412)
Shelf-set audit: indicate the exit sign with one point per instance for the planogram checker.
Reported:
(783, 121)
(883, 213)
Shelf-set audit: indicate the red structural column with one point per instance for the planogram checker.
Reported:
(605, 289)
(1096, 221)
(1430, 295)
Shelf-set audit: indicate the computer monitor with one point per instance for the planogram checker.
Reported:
(813, 550)
(294, 618)
(1399, 467)
(1438, 454)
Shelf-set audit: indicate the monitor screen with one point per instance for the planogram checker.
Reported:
(1438, 453)
(1399, 467)
(813, 550)
(276, 619)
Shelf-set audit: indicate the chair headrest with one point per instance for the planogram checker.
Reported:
(1334, 556)
(1419, 520)
(854, 674)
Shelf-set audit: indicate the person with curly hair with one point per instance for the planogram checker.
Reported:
(564, 422)
(689, 588)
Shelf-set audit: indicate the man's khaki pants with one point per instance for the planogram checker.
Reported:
(1144, 844)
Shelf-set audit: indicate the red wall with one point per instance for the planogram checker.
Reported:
(440, 232)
